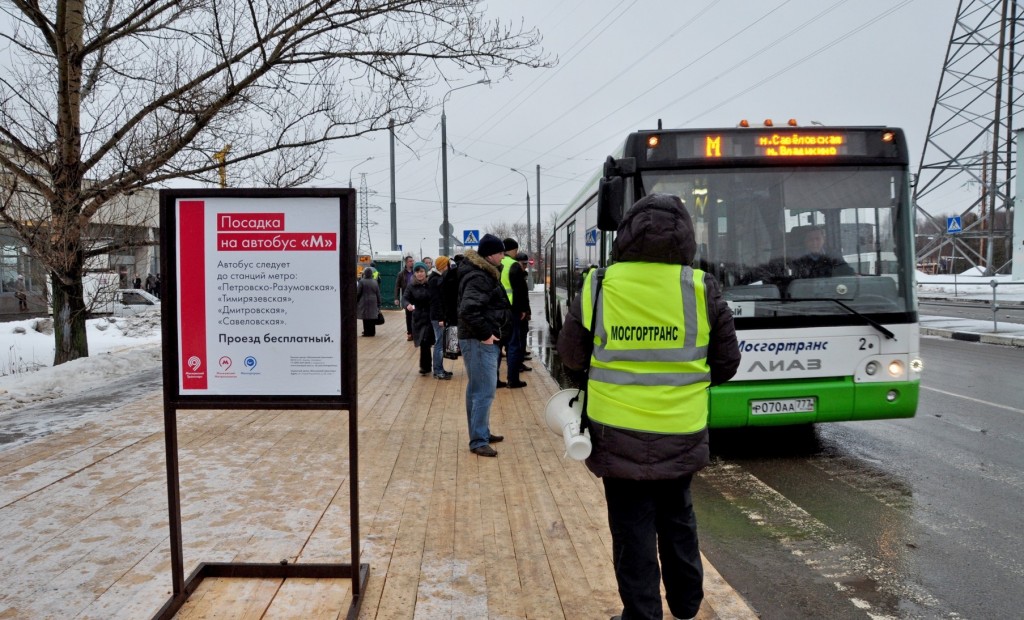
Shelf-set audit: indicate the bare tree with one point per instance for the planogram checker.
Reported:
(104, 97)
(514, 230)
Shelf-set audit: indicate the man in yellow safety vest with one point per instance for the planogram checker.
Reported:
(654, 334)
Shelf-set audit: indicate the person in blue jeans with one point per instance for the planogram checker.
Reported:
(485, 318)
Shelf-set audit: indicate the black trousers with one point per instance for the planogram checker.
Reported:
(651, 519)
(369, 327)
(426, 356)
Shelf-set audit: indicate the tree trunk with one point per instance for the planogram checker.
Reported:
(68, 317)
(66, 235)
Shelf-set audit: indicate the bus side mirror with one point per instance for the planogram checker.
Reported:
(610, 196)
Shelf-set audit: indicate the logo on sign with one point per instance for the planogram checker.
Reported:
(250, 366)
(225, 366)
(194, 364)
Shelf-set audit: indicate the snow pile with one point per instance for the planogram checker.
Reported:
(118, 347)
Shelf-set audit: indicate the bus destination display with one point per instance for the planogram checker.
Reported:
(774, 144)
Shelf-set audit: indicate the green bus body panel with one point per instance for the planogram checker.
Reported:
(838, 400)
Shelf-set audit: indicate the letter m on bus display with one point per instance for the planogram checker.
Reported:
(713, 146)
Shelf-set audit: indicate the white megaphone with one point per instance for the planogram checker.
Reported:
(562, 414)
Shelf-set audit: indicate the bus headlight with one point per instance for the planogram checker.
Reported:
(871, 368)
(916, 365)
(896, 368)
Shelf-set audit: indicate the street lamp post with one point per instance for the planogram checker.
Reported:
(444, 164)
(354, 167)
(529, 249)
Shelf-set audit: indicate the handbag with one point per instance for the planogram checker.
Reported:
(452, 350)
(380, 318)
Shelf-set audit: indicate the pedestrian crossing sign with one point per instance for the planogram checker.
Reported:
(591, 238)
(471, 237)
(953, 225)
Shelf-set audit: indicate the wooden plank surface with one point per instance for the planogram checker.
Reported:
(447, 534)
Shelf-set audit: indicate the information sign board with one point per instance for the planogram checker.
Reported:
(257, 289)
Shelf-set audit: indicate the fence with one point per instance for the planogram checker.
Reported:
(972, 288)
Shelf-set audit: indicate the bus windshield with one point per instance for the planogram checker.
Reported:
(792, 241)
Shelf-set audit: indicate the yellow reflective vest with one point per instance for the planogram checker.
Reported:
(649, 369)
(506, 268)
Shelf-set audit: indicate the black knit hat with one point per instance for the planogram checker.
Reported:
(510, 244)
(489, 244)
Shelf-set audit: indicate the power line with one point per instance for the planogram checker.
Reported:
(530, 89)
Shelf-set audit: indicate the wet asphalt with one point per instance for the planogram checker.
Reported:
(915, 518)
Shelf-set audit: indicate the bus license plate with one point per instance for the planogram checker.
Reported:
(782, 405)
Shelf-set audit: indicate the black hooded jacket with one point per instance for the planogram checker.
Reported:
(656, 229)
(483, 304)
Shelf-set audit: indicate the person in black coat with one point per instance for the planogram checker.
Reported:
(817, 262)
(485, 317)
(368, 302)
(416, 300)
(437, 319)
(450, 291)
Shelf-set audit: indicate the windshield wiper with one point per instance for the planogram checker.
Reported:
(870, 321)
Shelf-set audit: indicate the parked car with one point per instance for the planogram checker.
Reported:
(129, 302)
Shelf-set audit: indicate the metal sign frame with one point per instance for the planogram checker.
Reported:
(174, 399)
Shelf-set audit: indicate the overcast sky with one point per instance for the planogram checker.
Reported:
(624, 64)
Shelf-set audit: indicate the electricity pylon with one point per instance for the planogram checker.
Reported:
(971, 138)
(365, 245)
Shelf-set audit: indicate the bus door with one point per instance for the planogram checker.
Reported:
(571, 259)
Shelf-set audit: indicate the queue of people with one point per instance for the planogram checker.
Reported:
(484, 294)
(648, 429)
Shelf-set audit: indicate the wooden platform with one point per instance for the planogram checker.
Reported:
(447, 534)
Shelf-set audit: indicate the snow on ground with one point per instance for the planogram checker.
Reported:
(969, 285)
(117, 347)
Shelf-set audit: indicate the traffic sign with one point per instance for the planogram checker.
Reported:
(591, 238)
(953, 226)
(471, 237)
